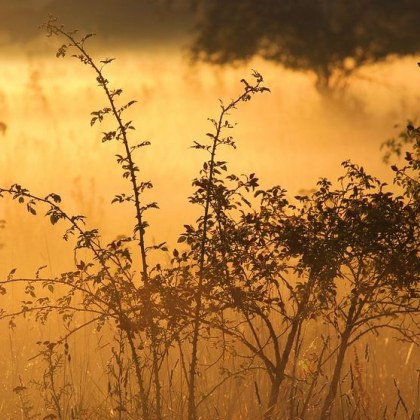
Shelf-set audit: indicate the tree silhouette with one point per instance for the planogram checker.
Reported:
(331, 38)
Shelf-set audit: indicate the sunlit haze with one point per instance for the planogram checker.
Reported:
(291, 136)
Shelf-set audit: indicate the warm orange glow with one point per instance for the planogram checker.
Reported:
(290, 137)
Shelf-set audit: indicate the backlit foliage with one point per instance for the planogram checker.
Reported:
(250, 277)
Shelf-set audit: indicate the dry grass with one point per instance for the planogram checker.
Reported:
(92, 375)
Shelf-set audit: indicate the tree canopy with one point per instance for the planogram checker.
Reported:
(331, 38)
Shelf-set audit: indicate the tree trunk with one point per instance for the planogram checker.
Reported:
(275, 386)
(274, 396)
(344, 342)
(328, 403)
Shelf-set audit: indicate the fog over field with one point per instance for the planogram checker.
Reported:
(295, 138)
(291, 136)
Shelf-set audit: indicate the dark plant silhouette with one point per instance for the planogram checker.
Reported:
(209, 191)
(361, 241)
(130, 170)
(108, 287)
(252, 276)
(346, 254)
(408, 144)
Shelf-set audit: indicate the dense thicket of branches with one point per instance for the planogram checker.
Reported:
(252, 273)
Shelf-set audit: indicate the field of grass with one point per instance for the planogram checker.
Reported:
(234, 304)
